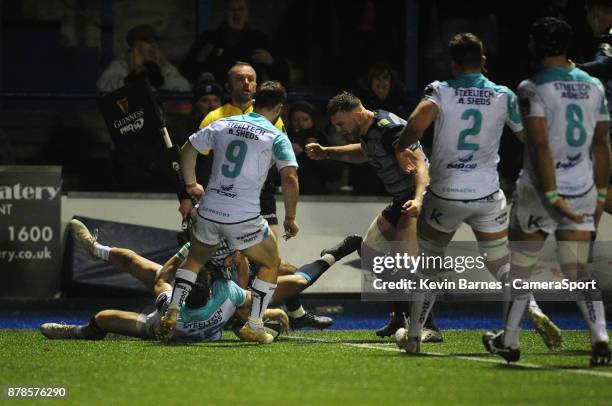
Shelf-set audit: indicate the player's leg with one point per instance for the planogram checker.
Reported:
(432, 243)
(264, 253)
(381, 229)
(122, 259)
(489, 222)
(105, 321)
(185, 278)
(573, 248)
(307, 275)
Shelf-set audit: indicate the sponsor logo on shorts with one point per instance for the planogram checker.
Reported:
(459, 190)
(534, 221)
(501, 219)
(435, 216)
(249, 237)
(570, 163)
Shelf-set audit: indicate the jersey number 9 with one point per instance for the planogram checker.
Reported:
(234, 154)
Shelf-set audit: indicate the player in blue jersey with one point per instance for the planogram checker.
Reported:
(372, 136)
(563, 185)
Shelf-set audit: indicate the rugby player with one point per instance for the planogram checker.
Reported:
(246, 147)
(372, 135)
(469, 112)
(563, 185)
(242, 84)
(204, 315)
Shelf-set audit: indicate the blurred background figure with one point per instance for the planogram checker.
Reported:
(207, 96)
(316, 177)
(217, 50)
(382, 89)
(143, 59)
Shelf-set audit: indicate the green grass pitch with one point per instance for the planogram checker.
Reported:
(306, 368)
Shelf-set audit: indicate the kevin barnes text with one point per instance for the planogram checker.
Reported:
(464, 284)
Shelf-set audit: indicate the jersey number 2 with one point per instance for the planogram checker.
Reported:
(235, 154)
(463, 145)
(573, 115)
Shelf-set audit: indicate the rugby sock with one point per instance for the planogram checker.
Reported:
(101, 251)
(183, 283)
(90, 331)
(312, 271)
(533, 305)
(262, 294)
(514, 316)
(419, 310)
(294, 307)
(593, 313)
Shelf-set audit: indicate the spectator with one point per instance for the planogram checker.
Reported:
(314, 175)
(143, 59)
(217, 50)
(381, 89)
(207, 96)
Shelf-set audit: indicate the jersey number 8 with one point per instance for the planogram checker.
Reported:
(573, 115)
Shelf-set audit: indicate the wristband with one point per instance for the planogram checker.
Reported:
(289, 217)
(192, 184)
(602, 194)
(552, 196)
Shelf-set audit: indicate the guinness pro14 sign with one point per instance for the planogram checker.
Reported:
(30, 245)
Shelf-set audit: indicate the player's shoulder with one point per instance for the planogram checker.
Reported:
(434, 87)
(385, 120)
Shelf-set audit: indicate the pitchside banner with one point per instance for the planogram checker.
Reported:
(30, 247)
(464, 272)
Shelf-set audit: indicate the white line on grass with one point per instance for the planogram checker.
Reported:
(382, 347)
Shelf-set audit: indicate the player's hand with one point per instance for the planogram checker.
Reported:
(561, 206)
(278, 315)
(407, 160)
(291, 228)
(412, 208)
(185, 207)
(262, 56)
(232, 259)
(195, 190)
(316, 151)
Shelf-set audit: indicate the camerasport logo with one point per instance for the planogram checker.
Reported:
(132, 123)
(20, 192)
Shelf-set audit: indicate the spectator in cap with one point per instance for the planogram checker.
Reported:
(207, 96)
(216, 51)
(143, 59)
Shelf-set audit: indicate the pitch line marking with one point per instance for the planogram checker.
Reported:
(601, 374)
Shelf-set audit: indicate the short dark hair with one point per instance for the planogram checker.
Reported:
(238, 63)
(466, 50)
(345, 101)
(200, 293)
(269, 95)
(551, 37)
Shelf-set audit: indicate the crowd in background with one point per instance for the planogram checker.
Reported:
(356, 46)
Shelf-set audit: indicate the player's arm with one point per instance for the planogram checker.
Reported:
(189, 156)
(412, 207)
(291, 190)
(541, 159)
(601, 165)
(351, 153)
(241, 263)
(421, 118)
